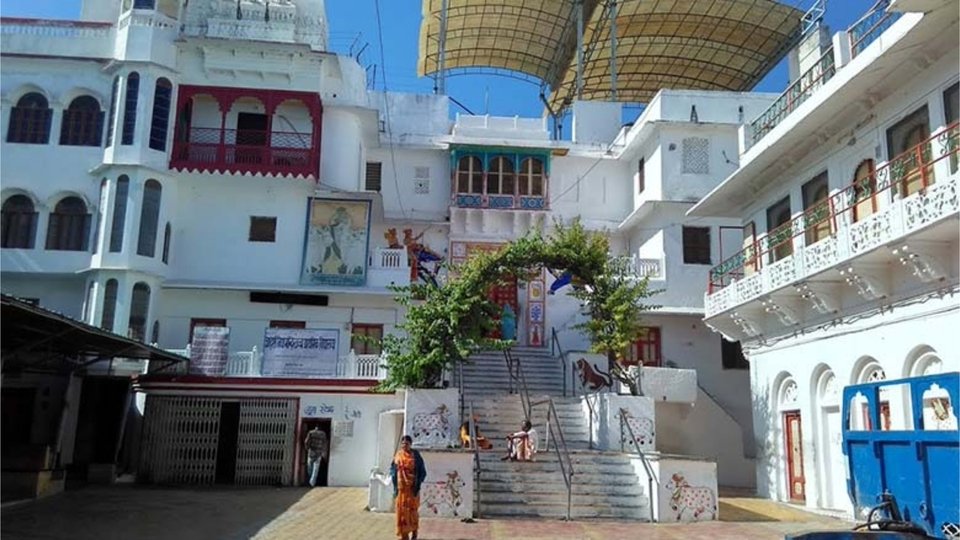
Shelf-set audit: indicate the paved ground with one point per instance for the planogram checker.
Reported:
(140, 513)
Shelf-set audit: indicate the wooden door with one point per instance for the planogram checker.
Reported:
(794, 451)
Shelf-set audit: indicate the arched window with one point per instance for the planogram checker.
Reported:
(165, 254)
(119, 214)
(19, 222)
(470, 175)
(98, 227)
(109, 305)
(864, 190)
(82, 123)
(161, 115)
(30, 120)
(112, 115)
(149, 216)
(69, 226)
(531, 177)
(155, 333)
(139, 309)
(130, 109)
(500, 178)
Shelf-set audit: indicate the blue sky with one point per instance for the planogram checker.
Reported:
(354, 23)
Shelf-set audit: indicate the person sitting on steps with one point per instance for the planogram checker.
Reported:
(522, 445)
(482, 441)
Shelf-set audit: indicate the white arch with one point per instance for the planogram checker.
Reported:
(68, 96)
(922, 360)
(10, 192)
(863, 368)
(14, 95)
(52, 200)
(788, 395)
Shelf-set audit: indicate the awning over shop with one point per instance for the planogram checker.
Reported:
(705, 45)
(34, 338)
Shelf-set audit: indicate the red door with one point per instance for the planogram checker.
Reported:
(501, 295)
(794, 450)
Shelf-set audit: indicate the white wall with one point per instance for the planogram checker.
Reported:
(594, 188)
(400, 200)
(248, 320)
(892, 340)
(351, 458)
(61, 294)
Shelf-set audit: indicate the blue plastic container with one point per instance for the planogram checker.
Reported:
(901, 436)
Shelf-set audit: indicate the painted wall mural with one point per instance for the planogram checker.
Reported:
(443, 497)
(695, 502)
(337, 239)
(688, 490)
(448, 488)
(430, 416)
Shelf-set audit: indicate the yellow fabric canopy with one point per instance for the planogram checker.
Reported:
(679, 44)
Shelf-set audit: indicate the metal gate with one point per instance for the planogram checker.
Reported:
(265, 445)
(181, 433)
(180, 440)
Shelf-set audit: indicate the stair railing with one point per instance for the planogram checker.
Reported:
(555, 348)
(460, 383)
(651, 474)
(476, 459)
(553, 431)
(592, 412)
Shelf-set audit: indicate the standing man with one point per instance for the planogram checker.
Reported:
(316, 445)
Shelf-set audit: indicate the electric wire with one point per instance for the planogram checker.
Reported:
(386, 111)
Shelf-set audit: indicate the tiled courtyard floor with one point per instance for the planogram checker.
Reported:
(128, 512)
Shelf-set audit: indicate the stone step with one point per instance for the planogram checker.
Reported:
(536, 478)
(559, 510)
(538, 467)
(583, 456)
(497, 486)
(560, 496)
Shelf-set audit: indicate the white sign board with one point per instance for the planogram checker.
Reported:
(300, 352)
(209, 350)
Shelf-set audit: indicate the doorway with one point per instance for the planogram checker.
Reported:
(503, 294)
(226, 472)
(794, 451)
(306, 425)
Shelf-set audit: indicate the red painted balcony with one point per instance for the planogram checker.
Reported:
(245, 130)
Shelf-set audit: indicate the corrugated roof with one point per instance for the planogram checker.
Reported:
(680, 44)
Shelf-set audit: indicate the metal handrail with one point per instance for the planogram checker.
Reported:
(651, 474)
(460, 387)
(566, 468)
(586, 398)
(476, 459)
(554, 348)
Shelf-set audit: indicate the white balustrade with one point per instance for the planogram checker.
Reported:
(890, 224)
(248, 364)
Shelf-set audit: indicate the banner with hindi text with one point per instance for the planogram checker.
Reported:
(300, 352)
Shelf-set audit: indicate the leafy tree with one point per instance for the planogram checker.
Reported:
(445, 324)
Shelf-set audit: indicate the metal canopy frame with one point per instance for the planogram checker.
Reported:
(37, 339)
(630, 49)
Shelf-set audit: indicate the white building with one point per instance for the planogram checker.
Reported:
(167, 168)
(847, 267)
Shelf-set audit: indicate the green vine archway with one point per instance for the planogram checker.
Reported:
(445, 324)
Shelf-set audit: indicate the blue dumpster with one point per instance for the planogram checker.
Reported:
(900, 440)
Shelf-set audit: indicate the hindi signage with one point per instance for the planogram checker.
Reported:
(300, 352)
(209, 350)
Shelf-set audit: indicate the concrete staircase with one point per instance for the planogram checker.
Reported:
(604, 483)
(485, 374)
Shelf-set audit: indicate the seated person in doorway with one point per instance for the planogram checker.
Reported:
(482, 441)
(316, 446)
(522, 445)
